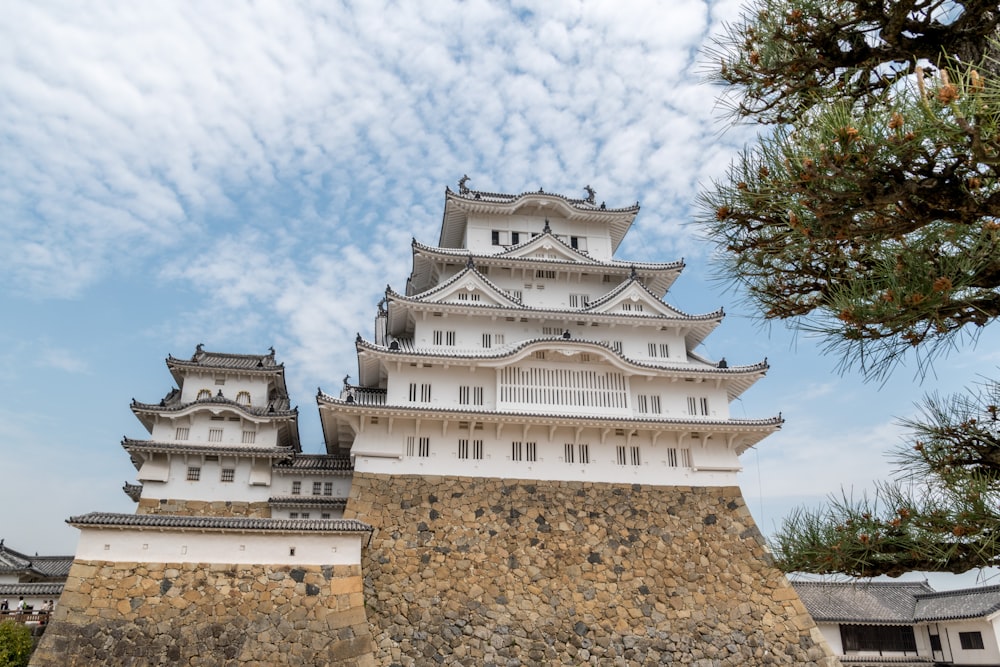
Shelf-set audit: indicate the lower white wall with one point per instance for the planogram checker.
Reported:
(174, 545)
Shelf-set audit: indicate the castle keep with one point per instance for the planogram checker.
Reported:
(534, 466)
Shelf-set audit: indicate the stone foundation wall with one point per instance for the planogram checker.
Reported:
(203, 508)
(143, 614)
(465, 571)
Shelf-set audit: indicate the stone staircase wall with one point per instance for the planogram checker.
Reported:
(470, 571)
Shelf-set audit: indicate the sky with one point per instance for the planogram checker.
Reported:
(251, 174)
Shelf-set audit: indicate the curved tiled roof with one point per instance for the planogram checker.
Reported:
(172, 404)
(860, 602)
(500, 292)
(131, 445)
(224, 360)
(113, 520)
(695, 424)
(958, 604)
(458, 205)
(406, 348)
(498, 197)
(315, 463)
(54, 589)
(587, 262)
(308, 501)
(46, 567)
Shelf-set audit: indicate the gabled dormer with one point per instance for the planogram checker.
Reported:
(468, 287)
(548, 247)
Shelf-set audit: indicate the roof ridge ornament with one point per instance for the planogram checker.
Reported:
(591, 195)
(471, 264)
(462, 187)
(546, 229)
(633, 274)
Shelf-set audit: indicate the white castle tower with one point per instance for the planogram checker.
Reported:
(523, 349)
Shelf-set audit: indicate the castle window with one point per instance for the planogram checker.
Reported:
(193, 474)
(697, 405)
(220, 381)
(634, 452)
(227, 475)
(418, 446)
(182, 433)
(293, 515)
(243, 398)
(327, 488)
(523, 451)
(325, 515)
(880, 638)
(425, 393)
(579, 300)
(584, 453)
(305, 515)
(970, 641)
(204, 393)
(444, 337)
(491, 339)
(215, 435)
(317, 487)
(249, 437)
(467, 395)
(659, 350)
(648, 404)
(516, 294)
(578, 242)
(515, 238)
(545, 273)
(540, 354)
(296, 488)
(568, 453)
(678, 458)
(495, 237)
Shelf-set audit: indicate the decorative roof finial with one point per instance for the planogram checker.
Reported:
(347, 381)
(540, 191)
(470, 264)
(591, 194)
(546, 229)
(634, 274)
(462, 188)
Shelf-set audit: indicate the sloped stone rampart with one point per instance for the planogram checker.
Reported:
(177, 507)
(466, 571)
(143, 614)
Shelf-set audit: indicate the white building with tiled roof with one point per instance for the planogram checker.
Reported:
(905, 623)
(225, 441)
(522, 348)
(34, 579)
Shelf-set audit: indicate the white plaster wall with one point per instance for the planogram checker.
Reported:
(989, 655)
(281, 485)
(479, 237)
(200, 423)
(377, 450)
(195, 381)
(210, 486)
(831, 633)
(188, 546)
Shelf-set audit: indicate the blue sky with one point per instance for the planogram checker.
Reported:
(246, 175)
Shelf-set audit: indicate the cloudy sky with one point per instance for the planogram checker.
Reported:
(250, 174)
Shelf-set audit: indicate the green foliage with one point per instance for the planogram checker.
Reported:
(941, 514)
(872, 214)
(15, 644)
(869, 214)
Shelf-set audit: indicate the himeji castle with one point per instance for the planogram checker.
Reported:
(534, 465)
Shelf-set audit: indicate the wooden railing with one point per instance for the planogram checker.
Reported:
(28, 617)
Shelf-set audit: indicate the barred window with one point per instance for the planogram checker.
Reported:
(193, 474)
(228, 475)
(296, 488)
(215, 435)
(182, 433)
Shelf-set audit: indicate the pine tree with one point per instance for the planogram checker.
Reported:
(869, 214)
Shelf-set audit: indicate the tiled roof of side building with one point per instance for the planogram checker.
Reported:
(12, 561)
(861, 602)
(321, 502)
(54, 589)
(958, 604)
(315, 463)
(220, 523)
